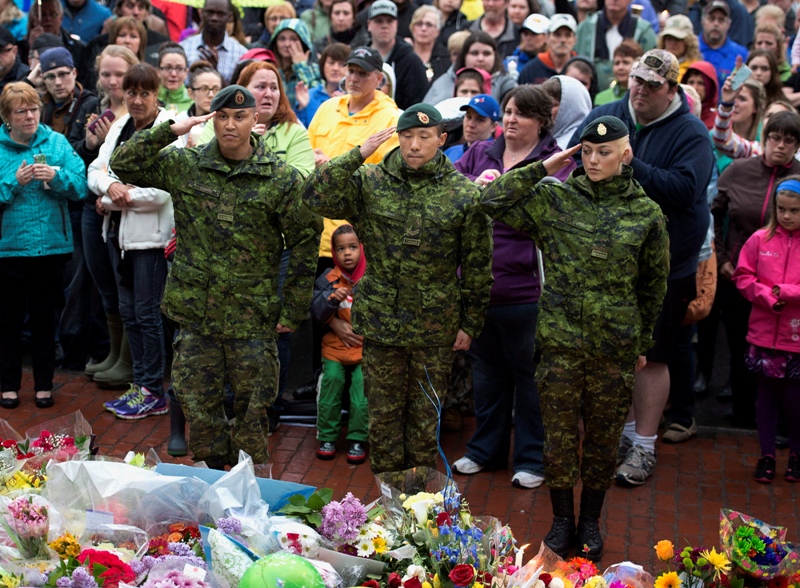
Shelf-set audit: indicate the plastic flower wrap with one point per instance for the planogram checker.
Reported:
(27, 522)
(757, 549)
(353, 529)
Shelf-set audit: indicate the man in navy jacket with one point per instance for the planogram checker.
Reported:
(672, 160)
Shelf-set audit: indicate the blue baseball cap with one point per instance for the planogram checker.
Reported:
(484, 105)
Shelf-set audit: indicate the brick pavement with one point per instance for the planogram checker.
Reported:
(680, 502)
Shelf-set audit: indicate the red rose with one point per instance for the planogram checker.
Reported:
(443, 518)
(462, 575)
(412, 583)
(394, 581)
(117, 571)
(371, 584)
(545, 578)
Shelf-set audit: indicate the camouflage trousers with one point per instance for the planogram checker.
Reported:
(402, 420)
(200, 370)
(459, 394)
(571, 386)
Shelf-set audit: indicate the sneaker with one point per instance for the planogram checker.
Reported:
(112, 405)
(677, 433)
(357, 453)
(466, 467)
(624, 447)
(526, 480)
(326, 450)
(140, 405)
(793, 469)
(637, 467)
(765, 470)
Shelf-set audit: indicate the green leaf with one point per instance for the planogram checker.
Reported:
(315, 502)
(326, 494)
(314, 519)
(298, 500)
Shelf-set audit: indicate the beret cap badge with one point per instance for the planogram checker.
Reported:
(423, 118)
(601, 129)
(239, 98)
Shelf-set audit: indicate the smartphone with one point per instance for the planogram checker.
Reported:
(40, 158)
(740, 76)
(107, 114)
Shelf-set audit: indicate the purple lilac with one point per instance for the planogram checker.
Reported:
(229, 525)
(342, 520)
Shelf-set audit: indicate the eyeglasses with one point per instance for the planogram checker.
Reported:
(423, 24)
(172, 69)
(776, 138)
(62, 75)
(26, 111)
(651, 85)
(207, 90)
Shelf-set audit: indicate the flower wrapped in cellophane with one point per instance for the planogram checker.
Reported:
(26, 520)
(757, 549)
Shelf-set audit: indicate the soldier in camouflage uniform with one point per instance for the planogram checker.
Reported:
(236, 207)
(419, 221)
(606, 256)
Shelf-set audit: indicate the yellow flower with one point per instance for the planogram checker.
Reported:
(426, 584)
(719, 561)
(665, 551)
(380, 544)
(668, 580)
(596, 582)
(436, 582)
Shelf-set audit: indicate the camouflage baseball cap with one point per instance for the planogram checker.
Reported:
(657, 65)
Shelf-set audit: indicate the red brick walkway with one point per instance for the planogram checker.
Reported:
(681, 502)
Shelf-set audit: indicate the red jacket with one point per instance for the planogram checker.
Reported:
(764, 263)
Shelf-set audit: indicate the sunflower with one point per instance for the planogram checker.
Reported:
(668, 580)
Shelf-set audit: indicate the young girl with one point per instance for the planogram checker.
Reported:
(341, 349)
(768, 275)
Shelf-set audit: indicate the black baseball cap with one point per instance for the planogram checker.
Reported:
(366, 58)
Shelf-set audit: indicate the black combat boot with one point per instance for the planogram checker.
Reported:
(176, 446)
(590, 542)
(561, 538)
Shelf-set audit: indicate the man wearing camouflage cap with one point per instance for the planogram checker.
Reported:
(237, 205)
(418, 219)
(672, 159)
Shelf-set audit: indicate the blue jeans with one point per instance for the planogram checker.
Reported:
(504, 380)
(98, 258)
(142, 275)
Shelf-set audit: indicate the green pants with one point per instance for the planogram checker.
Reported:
(202, 366)
(572, 385)
(329, 402)
(402, 420)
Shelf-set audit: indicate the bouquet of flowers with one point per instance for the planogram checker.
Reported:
(696, 567)
(354, 530)
(756, 549)
(27, 522)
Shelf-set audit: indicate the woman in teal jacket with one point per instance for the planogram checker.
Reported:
(39, 172)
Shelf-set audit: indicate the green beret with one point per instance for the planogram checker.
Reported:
(233, 97)
(419, 115)
(604, 129)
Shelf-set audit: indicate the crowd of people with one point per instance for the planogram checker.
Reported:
(543, 210)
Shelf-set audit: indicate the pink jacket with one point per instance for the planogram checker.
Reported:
(762, 264)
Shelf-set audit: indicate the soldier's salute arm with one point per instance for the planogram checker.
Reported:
(334, 186)
(141, 161)
(513, 198)
(301, 229)
(652, 283)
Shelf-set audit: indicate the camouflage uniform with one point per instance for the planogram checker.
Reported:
(418, 227)
(222, 290)
(606, 260)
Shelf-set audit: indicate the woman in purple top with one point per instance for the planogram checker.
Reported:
(502, 357)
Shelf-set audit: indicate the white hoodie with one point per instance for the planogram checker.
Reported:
(575, 105)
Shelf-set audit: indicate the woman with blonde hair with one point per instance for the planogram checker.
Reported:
(426, 22)
(272, 18)
(769, 37)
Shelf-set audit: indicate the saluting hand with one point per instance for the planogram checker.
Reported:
(182, 127)
(371, 145)
(555, 163)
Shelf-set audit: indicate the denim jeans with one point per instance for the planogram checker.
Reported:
(98, 258)
(142, 275)
(504, 382)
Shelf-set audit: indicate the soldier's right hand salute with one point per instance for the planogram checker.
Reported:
(371, 145)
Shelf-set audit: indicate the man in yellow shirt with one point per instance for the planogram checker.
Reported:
(347, 121)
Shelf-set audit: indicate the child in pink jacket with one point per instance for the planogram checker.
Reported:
(768, 275)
